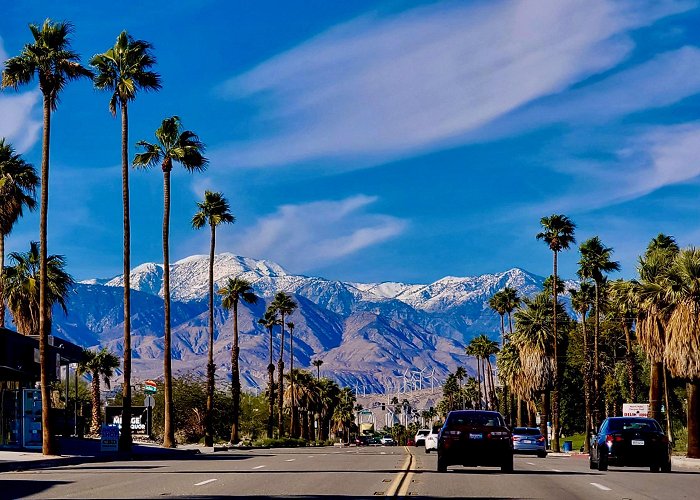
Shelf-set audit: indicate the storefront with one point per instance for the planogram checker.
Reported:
(20, 397)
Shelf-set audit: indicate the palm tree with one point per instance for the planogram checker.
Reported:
(624, 297)
(284, 305)
(581, 301)
(558, 234)
(486, 349)
(23, 280)
(460, 374)
(595, 263)
(511, 301)
(269, 320)
(173, 146)
(124, 70)
(51, 60)
(509, 372)
(498, 303)
(682, 346)
(292, 424)
(234, 291)
(302, 397)
(100, 365)
(654, 267)
(18, 181)
(317, 363)
(213, 211)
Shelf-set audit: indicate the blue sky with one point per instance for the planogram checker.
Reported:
(380, 140)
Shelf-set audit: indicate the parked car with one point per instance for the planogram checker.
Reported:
(361, 440)
(431, 440)
(475, 437)
(388, 441)
(419, 439)
(374, 441)
(529, 440)
(630, 441)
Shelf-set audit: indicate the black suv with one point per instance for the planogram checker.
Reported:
(475, 437)
(632, 441)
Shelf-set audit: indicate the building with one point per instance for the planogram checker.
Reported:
(20, 398)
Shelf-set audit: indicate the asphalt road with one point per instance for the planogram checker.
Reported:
(356, 472)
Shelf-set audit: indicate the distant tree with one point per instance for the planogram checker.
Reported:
(317, 363)
(284, 305)
(173, 146)
(269, 320)
(581, 301)
(100, 365)
(213, 211)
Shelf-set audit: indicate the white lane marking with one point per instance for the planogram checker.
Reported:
(383, 453)
(259, 467)
(290, 460)
(205, 482)
(556, 470)
(530, 463)
(601, 487)
(311, 456)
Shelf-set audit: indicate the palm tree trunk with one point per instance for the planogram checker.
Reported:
(557, 381)
(544, 418)
(478, 380)
(669, 429)
(494, 399)
(2, 280)
(271, 390)
(655, 381)
(96, 421)
(125, 437)
(519, 417)
(48, 447)
(208, 421)
(293, 422)
(693, 389)
(596, 374)
(630, 363)
(169, 428)
(235, 377)
(586, 385)
(280, 385)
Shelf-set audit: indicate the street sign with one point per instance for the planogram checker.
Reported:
(149, 402)
(635, 410)
(150, 387)
(109, 438)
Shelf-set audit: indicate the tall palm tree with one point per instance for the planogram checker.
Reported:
(50, 59)
(595, 264)
(124, 70)
(317, 363)
(173, 146)
(18, 181)
(301, 397)
(473, 349)
(269, 320)
(498, 303)
(581, 301)
(284, 305)
(213, 211)
(234, 291)
(654, 268)
(488, 348)
(23, 280)
(624, 298)
(100, 365)
(558, 234)
(293, 422)
(511, 301)
(510, 373)
(682, 346)
(460, 374)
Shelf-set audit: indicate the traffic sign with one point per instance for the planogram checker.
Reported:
(150, 387)
(149, 402)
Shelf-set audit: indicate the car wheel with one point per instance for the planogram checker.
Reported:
(507, 465)
(667, 466)
(654, 468)
(427, 450)
(602, 462)
(592, 464)
(542, 454)
(441, 465)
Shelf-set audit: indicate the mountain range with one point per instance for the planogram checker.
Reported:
(367, 334)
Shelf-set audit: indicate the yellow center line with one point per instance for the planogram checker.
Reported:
(403, 477)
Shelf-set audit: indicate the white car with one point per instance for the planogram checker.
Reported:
(388, 441)
(431, 440)
(419, 439)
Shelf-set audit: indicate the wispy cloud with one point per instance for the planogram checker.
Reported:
(18, 124)
(379, 88)
(308, 236)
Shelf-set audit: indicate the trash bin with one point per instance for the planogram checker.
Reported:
(567, 446)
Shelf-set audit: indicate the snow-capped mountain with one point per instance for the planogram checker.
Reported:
(364, 332)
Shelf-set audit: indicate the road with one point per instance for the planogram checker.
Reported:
(356, 472)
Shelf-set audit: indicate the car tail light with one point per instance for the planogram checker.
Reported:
(540, 439)
(516, 438)
(610, 438)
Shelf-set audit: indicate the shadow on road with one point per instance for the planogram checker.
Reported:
(20, 488)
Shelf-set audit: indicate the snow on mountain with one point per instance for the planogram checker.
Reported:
(364, 332)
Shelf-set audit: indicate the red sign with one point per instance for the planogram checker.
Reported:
(150, 383)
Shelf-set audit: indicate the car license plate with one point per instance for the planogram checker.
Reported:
(476, 436)
(527, 441)
(637, 442)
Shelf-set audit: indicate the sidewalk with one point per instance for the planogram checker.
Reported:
(676, 460)
(78, 451)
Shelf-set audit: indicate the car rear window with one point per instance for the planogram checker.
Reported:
(424, 432)
(526, 431)
(623, 424)
(476, 419)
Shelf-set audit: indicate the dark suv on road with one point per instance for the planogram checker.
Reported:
(630, 441)
(475, 437)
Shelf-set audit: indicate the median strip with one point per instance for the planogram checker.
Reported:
(399, 486)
